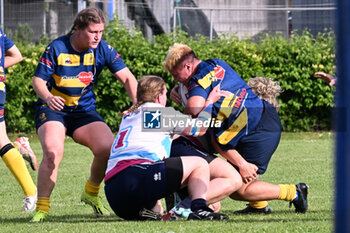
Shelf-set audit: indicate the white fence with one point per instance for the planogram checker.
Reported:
(206, 17)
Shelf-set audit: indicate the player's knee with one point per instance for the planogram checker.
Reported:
(201, 163)
(102, 150)
(239, 194)
(236, 184)
(52, 157)
(230, 186)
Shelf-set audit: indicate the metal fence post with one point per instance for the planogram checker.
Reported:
(211, 25)
(174, 23)
(2, 13)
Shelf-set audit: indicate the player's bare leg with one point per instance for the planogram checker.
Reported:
(51, 135)
(99, 138)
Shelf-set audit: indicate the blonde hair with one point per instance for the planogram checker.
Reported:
(267, 89)
(148, 89)
(85, 17)
(176, 54)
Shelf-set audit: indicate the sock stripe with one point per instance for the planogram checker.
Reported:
(5, 149)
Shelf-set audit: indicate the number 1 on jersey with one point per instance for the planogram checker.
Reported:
(122, 139)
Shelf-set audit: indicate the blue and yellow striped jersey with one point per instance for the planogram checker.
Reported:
(71, 75)
(239, 112)
(5, 44)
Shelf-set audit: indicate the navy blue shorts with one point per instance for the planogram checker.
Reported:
(71, 120)
(2, 100)
(183, 147)
(140, 186)
(259, 146)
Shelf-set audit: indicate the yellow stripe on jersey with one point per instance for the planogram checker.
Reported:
(226, 107)
(2, 86)
(234, 129)
(89, 59)
(206, 81)
(65, 59)
(67, 81)
(69, 100)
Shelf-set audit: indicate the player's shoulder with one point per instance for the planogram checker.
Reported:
(105, 45)
(59, 44)
(62, 40)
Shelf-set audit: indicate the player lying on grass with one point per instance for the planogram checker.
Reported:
(250, 130)
(139, 172)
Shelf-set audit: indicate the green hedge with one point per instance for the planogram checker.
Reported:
(306, 103)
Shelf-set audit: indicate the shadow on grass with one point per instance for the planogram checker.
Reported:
(74, 218)
(276, 216)
(283, 215)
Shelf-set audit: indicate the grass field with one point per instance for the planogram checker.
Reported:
(300, 157)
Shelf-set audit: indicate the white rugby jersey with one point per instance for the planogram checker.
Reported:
(135, 141)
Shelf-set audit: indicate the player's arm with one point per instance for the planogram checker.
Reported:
(246, 170)
(204, 114)
(129, 82)
(174, 95)
(194, 105)
(12, 56)
(40, 88)
(329, 79)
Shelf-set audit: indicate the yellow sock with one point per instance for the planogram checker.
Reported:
(43, 204)
(258, 204)
(17, 166)
(91, 189)
(14, 145)
(287, 192)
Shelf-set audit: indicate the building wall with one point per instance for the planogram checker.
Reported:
(315, 21)
(52, 18)
(246, 22)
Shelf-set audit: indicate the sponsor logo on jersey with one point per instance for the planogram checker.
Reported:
(65, 59)
(116, 57)
(68, 61)
(45, 62)
(85, 77)
(217, 74)
(240, 98)
(47, 50)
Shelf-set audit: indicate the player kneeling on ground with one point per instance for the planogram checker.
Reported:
(140, 172)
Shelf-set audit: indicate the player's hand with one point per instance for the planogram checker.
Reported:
(174, 95)
(248, 172)
(326, 77)
(216, 93)
(55, 103)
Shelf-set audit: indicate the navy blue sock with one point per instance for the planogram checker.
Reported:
(198, 204)
(185, 203)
